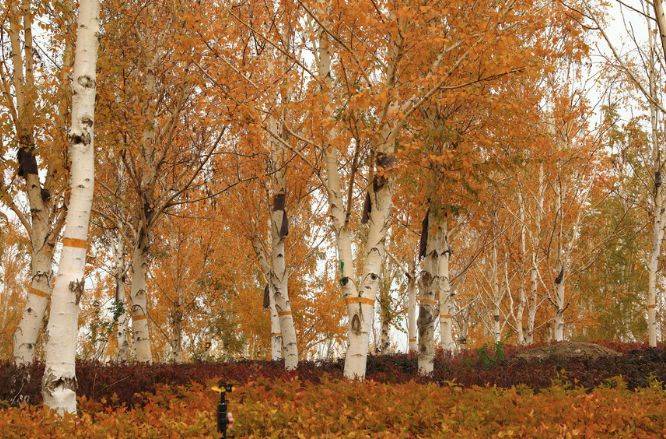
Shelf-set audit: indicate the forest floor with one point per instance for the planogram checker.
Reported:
(488, 392)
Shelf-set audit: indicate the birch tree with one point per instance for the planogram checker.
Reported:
(59, 382)
(25, 100)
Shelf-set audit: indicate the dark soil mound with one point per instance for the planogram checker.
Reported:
(568, 350)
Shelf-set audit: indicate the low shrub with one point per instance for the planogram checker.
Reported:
(124, 384)
(331, 407)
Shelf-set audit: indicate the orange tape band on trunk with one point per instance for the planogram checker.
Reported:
(74, 242)
(365, 300)
(36, 292)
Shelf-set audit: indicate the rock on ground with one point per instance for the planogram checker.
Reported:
(569, 350)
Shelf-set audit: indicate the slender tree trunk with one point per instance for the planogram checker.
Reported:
(464, 326)
(434, 242)
(659, 212)
(138, 294)
(276, 330)
(385, 318)
(177, 332)
(411, 310)
(653, 263)
(279, 274)
(40, 231)
(534, 301)
(25, 337)
(534, 270)
(522, 295)
(269, 299)
(119, 314)
(495, 286)
(445, 293)
(59, 382)
(559, 304)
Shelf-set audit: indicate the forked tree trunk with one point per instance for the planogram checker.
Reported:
(361, 306)
(59, 382)
(359, 296)
(40, 232)
(138, 289)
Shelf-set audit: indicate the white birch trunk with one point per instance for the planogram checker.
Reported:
(385, 315)
(411, 311)
(177, 332)
(445, 293)
(429, 285)
(25, 337)
(276, 333)
(139, 300)
(119, 314)
(360, 299)
(40, 232)
(59, 382)
(361, 307)
(279, 275)
(522, 296)
(534, 270)
(495, 287)
(659, 210)
(534, 301)
(559, 303)
(653, 263)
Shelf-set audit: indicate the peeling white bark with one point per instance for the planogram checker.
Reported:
(59, 382)
(445, 292)
(534, 269)
(276, 332)
(359, 294)
(522, 295)
(138, 288)
(25, 337)
(659, 210)
(279, 274)
(40, 230)
(277, 344)
(429, 284)
(361, 307)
